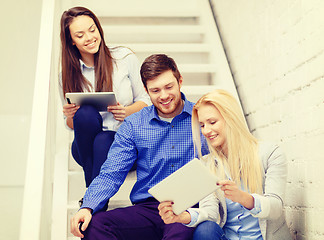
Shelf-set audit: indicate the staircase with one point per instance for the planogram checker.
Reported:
(187, 33)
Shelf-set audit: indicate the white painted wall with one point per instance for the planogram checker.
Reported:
(276, 53)
(19, 41)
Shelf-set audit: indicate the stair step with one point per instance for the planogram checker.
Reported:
(197, 68)
(154, 29)
(167, 47)
(148, 38)
(76, 187)
(181, 58)
(154, 34)
(149, 21)
(128, 12)
(194, 92)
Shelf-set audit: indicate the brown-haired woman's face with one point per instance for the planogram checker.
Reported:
(85, 35)
(212, 125)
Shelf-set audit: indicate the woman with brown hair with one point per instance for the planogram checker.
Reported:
(88, 65)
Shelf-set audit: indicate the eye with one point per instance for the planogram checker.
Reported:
(202, 125)
(79, 35)
(92, 29)
(212, 122)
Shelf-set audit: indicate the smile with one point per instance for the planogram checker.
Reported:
(91, 44)
(213, 137)
(166, 103)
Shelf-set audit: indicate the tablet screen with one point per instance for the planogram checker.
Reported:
(100, 100)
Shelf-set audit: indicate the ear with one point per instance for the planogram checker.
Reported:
(180, 81)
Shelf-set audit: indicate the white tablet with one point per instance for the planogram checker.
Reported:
(100, 100)
(186, 187)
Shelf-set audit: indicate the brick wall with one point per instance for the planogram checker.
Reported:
(276, 54)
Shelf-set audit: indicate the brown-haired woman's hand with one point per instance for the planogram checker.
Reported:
(119, 111)
(168, 216)
(70, 109)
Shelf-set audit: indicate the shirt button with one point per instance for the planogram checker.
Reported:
(172, 126)
(172, 165)
(172, 147)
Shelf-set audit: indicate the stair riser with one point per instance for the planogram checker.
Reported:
(124, 38)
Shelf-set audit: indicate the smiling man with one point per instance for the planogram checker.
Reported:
(159, 140)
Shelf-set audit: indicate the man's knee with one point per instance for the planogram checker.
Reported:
(100, 227)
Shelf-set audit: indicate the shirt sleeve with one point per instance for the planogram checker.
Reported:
(208, 210)
(120, 159)
(139, 93)
(257, 205)
(194, 217)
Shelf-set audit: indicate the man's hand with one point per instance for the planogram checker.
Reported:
(82, 216)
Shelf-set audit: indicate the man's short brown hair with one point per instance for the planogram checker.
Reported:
(155, 65)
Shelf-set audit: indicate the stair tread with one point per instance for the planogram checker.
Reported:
(197, 68)
(162, 29)
(167, 47)
(151, 14)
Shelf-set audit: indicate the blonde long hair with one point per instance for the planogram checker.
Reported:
(242, 160)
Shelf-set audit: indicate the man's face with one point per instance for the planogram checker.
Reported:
(164, 91)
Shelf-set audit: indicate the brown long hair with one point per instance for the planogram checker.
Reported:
(72, 78)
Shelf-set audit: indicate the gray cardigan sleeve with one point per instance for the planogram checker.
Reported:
(274, 181)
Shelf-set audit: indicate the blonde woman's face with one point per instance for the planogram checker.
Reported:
(85, 35)
(212, 125)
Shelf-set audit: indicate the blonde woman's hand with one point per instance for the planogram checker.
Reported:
(168, 216)
(70, 109)
(234, 193)
(119, 111)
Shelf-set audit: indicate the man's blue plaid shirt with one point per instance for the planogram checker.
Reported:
(159, 148)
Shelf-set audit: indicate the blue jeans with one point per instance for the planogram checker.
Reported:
(91, 144)
(209, 230)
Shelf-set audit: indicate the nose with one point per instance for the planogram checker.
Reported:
(205, 130)
(88, 36)
(164, 94)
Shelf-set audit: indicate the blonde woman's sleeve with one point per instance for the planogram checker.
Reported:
(208, 210)
(271, 203)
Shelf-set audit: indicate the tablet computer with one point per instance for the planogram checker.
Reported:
(100, 100)
(186, 186)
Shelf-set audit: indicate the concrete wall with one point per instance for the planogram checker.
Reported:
(276, 53)
(19, 40)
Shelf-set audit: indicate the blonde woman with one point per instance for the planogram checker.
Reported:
(249, 203)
